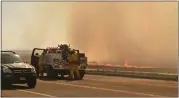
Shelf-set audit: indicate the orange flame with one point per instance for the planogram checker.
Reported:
(135, 66)
(111, 65)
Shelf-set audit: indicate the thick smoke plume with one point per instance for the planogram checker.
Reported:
(141, 33)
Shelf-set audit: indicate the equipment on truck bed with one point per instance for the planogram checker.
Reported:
(56, 60)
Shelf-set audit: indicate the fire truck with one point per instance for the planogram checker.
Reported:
(56, 60)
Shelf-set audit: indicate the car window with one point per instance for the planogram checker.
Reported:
(9, 58)
(39, 52)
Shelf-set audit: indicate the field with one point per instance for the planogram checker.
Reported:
(26, 56)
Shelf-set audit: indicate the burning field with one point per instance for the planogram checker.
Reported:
(26, 56)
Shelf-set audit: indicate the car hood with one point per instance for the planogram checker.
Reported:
(17, 65)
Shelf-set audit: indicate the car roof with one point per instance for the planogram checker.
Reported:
(8, 52)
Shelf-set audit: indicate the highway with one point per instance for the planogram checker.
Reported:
(96, 86)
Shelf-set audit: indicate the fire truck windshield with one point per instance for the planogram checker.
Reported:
(52, 50)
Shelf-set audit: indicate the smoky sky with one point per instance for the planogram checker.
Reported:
(143, 33)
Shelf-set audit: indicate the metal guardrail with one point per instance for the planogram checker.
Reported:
(163, 70)
(114, 71)
(135, 74)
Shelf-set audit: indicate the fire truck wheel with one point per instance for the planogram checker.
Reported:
(82, 73)
(75, 76)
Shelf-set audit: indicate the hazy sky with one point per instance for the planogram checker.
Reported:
(23, 24)
(141, 32)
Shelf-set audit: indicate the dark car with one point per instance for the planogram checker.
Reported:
(15, 71)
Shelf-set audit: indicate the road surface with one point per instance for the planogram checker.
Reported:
(96, 86)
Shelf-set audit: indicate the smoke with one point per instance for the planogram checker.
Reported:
(141, 33)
